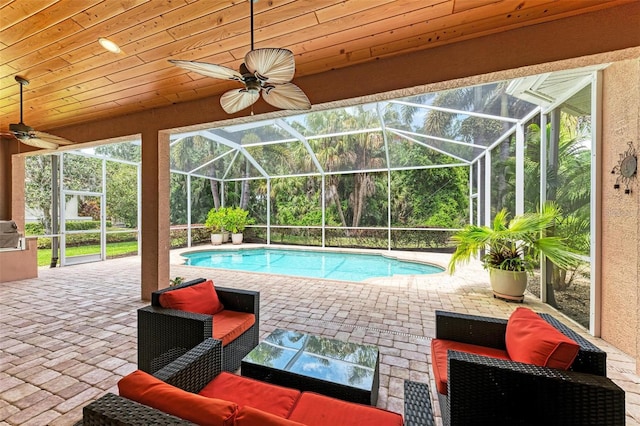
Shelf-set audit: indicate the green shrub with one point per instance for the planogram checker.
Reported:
(33, 228)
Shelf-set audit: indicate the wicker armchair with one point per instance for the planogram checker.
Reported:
(483, 390)
(166, 334)
(190, 372)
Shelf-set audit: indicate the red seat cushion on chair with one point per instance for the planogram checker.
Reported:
(532, 340)
(198, 298)
(244, 391)
(313, 409)
(439, 348)
(248, 416)
(148, 390)
(229, 325)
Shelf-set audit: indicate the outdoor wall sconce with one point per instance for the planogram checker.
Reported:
(626, 169)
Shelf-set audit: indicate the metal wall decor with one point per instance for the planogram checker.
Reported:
(626, 169)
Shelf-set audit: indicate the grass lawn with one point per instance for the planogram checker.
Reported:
(113, 249)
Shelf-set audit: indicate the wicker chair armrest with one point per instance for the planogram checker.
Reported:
(590, 359)
(195, 369)
(165, 334)
(115, 410)
(493, 391)
(471, 329)
(239, 300)
(417, 404)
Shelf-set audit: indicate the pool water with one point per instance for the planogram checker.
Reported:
(308, 263)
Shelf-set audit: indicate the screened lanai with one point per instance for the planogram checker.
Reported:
(471, 128)
(369, 175)
(395, 174)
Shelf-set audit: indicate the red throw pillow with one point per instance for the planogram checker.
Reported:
(199, 298)
(532, 340)
(148, 390)
(248, 416)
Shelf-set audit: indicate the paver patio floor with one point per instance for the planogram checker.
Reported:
(69, 335)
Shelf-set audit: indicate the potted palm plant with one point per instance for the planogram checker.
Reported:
(512, 249)
(214, 223)
(235, 221)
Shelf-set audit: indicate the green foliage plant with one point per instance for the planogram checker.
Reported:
(235, 219)
(176, 281)
(216, 219)
(514, 245)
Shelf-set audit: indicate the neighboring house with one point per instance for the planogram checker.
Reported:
(70, 212)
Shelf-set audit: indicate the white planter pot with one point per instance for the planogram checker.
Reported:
(508, 285)
(216, 239)
(236, 238)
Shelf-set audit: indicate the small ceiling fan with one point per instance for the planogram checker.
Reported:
(27, 135)
(268, 71)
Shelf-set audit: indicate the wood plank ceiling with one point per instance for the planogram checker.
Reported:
(73, 79)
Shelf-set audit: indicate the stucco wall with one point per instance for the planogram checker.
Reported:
(620, 220)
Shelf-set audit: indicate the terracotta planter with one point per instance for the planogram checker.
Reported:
(216, 239)
(236, 238)
(508, 285)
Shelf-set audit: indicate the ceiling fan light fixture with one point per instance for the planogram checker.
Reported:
(109, 45)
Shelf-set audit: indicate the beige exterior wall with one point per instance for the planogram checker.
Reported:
(620, 219)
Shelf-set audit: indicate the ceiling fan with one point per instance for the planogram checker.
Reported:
(27, 135)
(268, 71)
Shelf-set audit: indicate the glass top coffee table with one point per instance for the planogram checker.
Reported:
(348, 371)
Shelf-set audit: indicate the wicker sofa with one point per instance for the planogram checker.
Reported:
(166, 334)
(199, 366)
(487, 390)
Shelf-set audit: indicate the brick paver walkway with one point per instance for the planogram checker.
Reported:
(68, 336)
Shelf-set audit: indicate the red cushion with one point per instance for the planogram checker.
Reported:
(532, 340)
(248, 416)
(199, 298)
(148, 390)
(439, 348)
(244, 391)
(229, 325)
(319, 410)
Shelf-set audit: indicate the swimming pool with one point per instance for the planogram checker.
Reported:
(308, 263)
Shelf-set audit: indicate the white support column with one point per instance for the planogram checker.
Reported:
(389, 210)
(471, 197)
(324, 224)
(189, 241)
(519, 169)
(62, 205)
(103, 213)
(268, 211)
(486, 197)
(139, 177)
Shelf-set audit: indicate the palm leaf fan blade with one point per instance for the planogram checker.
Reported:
(38, 143)
(271, 65)
(210, 70)
(50, 138)
(286, 96)
(237, 99)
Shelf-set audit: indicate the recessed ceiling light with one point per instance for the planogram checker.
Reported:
(109, 45)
